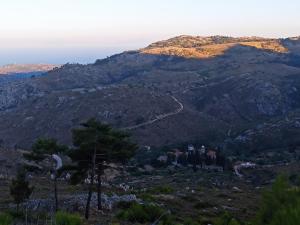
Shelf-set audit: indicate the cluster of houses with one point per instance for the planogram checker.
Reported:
(197, 158)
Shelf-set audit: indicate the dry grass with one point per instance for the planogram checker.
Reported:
(213, 50)
(273, 45)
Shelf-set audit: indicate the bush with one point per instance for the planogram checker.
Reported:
(19, 188)
(141, 213)
(280, 205)
(203, 205)
(288, 216)
(165, 189)
(147, 197)
(16, 215)
(124, 205)
(5, 219)
(295, 179)
(190, 221)
(63, 218)
(234, 222)
(226, 219)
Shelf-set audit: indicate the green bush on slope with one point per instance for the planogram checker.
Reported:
(141, 213)
(280, 205)
(63, 218)
(5, 219)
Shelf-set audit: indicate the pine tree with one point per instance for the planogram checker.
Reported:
(43, 148)
(96, 143)
(19, 188)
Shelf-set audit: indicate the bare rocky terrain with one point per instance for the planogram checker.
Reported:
(231, 92)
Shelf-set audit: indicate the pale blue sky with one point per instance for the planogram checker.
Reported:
(59, 31)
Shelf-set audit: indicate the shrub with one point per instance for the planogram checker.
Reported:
(165, 189)
(63, 218)
(295, 179)
(226, 219)
(16, 215)
(190, 221)
(167, 220)
(141, 213)
(288, 216)
(203, 205)
(147, 197)
(124, 205)
(233, 222)
(5, 219)
(280, 205)
(189, 198)
(19, 188)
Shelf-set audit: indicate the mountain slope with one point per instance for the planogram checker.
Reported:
(206, 47)
(227, 86)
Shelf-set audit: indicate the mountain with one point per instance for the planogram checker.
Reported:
(25, 68)
(206, 47)
(239, 93)
(13, 72)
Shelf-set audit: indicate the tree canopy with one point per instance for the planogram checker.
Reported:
(43, 147)
(19, 188)
(110, 146)
(96, 145)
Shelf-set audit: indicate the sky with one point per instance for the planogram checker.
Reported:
(61, 31)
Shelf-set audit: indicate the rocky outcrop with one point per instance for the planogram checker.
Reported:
(77, 202)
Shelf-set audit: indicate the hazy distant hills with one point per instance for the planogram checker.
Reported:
(241, 93)
(25, 68)
(18, 71)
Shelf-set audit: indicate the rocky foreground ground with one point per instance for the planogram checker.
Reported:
(202, 195)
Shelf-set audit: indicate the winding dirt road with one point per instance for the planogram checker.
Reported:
(159, 117)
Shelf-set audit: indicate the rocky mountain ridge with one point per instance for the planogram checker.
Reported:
(205, 47)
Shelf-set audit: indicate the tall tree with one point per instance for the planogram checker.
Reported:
(97, 145)
(42, 149)
(19, 188)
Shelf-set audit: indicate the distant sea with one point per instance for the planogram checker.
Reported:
(56, 56)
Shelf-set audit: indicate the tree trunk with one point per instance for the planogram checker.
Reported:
(88, 202)
(99, 187)
(55, 192)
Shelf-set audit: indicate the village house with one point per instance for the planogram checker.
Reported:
(197, 158)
